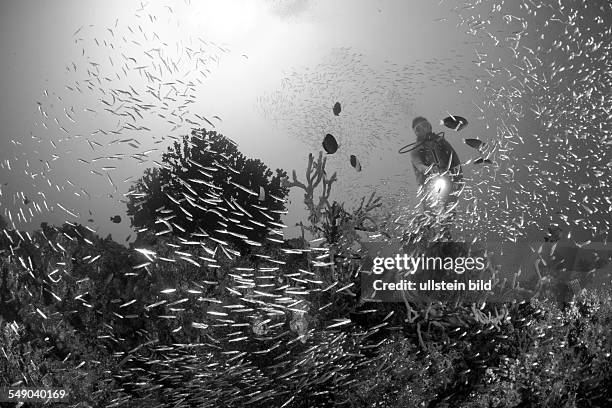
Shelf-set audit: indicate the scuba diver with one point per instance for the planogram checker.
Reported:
(437, 169)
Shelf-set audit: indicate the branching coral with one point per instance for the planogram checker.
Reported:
(315, 175)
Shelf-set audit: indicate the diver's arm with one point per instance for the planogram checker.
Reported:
(417, 161)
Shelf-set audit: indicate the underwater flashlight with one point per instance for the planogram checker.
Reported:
(440, 184)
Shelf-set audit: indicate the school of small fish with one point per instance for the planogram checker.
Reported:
(541, 70)
(551, 66)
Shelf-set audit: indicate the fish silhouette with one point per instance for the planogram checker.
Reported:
(454, 122)
(330, 144)
(475, 143)
(355, 162)
(337, 109)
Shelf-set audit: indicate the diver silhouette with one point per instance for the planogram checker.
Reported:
(437, 168)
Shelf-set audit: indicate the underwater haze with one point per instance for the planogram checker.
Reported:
(193, 195)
